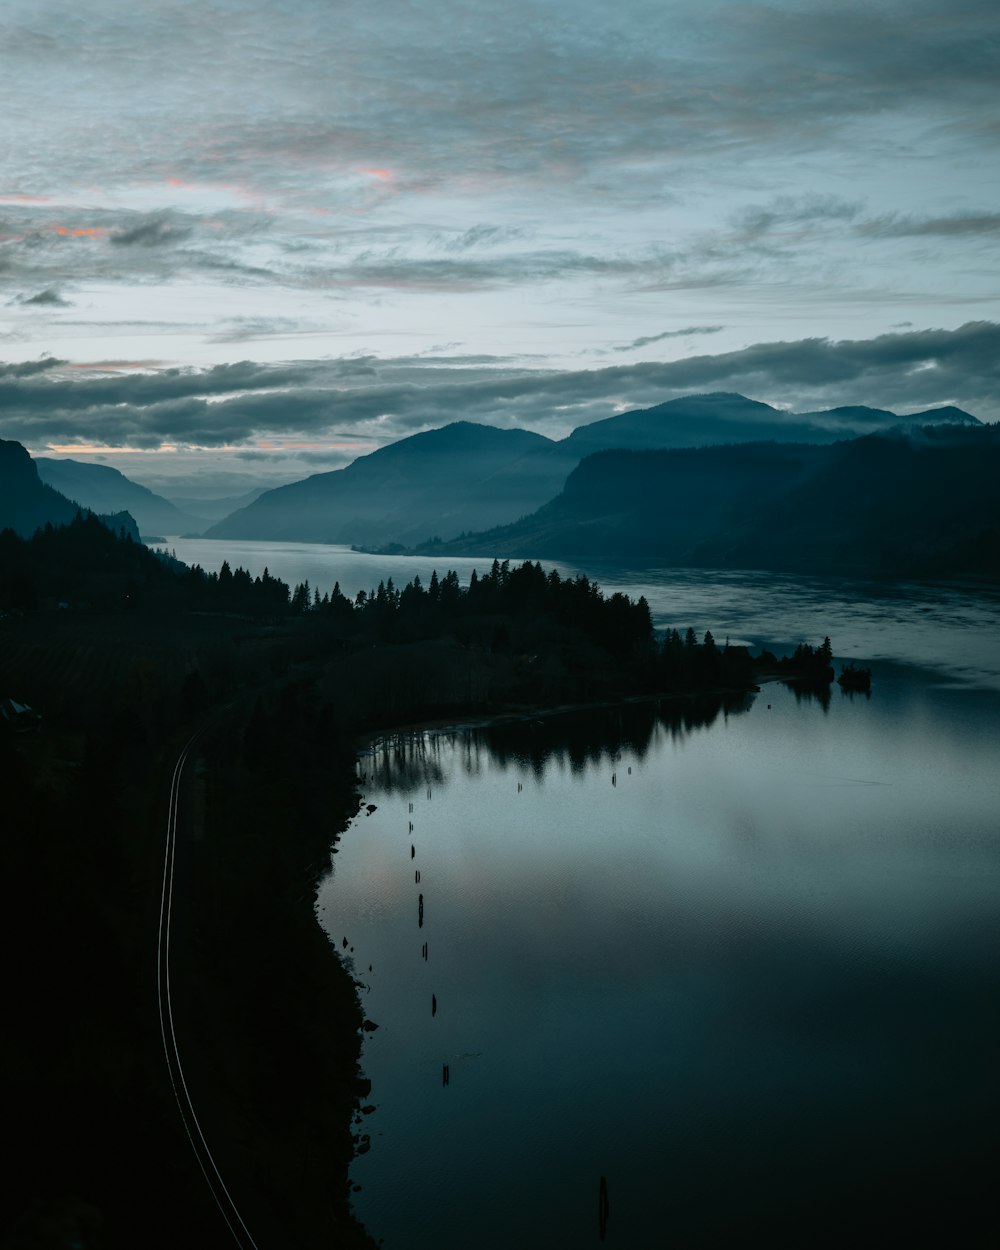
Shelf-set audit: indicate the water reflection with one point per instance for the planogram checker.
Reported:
(406, 763)
(950, 628)
(806, 693)
(752, 980)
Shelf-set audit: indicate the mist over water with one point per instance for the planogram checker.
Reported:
(950, 629)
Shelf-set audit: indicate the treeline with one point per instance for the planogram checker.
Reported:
(87, 565)
(84, 565)
(806, 663)
(387, 613)
(515, 634)
(684, 663)
(282, 681)
(505, 595)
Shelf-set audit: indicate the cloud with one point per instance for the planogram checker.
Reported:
(249, 329)
(382, 160)
(485, 236)
(21, 388)
(453, 173)
(157, 231)
(555, 106)
(958, 225)
(29, 368)
(791, 212)
(669, 334)
(394, 270)
(49, 297)
(126, 248)
(389, 398)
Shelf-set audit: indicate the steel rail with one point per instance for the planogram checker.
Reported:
(192, 1127)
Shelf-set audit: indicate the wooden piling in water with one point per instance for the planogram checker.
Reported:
(602, 1208)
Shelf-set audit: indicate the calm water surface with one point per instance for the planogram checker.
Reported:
(740, 962)
(950, 630)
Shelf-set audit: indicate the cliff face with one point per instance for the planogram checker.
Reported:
(27, 504)
(106, 491)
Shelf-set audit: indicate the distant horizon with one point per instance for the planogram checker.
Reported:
(241, 240)
(206, 475)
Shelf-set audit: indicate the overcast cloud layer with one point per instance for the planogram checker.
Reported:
(528, 214)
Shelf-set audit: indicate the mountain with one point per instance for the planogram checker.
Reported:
(103, 489)
(27, 503)
(467, 477)
(213, 509)
(696, 421)
(902, 503)
(692, 421)
(723, 417)
(440, 482)
(843, 422)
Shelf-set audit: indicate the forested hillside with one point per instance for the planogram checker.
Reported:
(918, 504)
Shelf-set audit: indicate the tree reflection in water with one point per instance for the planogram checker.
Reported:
(405, 762)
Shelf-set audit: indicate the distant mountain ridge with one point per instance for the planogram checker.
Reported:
(468, 477)
(438, 482)
(212, 509)
(922, 502)
(724, 417)
(104, 489)
(27, 503)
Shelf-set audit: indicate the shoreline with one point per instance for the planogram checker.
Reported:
(517, 713)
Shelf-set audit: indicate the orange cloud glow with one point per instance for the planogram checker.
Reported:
(81, 232)
(384, 175)
(101, 449)
(24, 199)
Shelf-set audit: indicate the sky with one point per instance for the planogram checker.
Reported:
(243, 240)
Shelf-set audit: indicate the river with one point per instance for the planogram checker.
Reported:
(951, 630)
(739, 961)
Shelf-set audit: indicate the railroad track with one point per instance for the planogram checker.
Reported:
(189, 1117)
